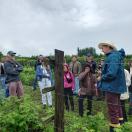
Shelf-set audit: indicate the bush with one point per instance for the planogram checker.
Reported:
(20, 115)
(27, 76)
(96, 123)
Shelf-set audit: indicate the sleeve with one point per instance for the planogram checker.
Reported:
(112, 69)
(82, 75)
(73, 83)
(38, 71)
(10, 69)
(128, 78)
(79, 67)
(19, 68)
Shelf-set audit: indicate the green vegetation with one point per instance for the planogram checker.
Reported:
(27, 114)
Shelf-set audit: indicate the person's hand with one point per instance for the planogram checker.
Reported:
(99, 78)
(99, 72)
(86, 70)
(79, 92)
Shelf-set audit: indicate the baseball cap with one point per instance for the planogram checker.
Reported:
(11, 53)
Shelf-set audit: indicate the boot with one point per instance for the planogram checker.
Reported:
(111, 129)
(121, 122)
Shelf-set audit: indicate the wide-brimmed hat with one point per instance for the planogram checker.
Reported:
(110, 44)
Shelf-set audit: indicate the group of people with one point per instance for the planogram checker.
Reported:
(109, 78)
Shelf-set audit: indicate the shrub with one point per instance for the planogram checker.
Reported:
(20, 115)
(27, 76)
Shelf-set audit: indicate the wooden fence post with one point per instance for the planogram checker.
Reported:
(59, 88)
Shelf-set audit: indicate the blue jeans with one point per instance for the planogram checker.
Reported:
(4, 86)
(76, 86)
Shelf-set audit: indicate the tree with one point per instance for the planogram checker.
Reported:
(85, 51)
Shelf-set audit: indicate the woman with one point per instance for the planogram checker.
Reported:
(68, 87)
(87, 89)
(43, 77)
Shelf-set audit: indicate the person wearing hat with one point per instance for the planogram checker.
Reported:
(87, 89)
(12, 70)
(91, 62)
(112, 81)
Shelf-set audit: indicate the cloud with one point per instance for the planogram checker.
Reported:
(32, 27)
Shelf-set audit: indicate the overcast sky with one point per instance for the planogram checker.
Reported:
(32, 27)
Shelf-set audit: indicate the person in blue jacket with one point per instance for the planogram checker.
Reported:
(113, 82)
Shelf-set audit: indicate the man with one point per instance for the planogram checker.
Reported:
(91, 62)
(113, 82)
(75, 68)
(12, 70)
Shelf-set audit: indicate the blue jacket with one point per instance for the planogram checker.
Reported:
(40, 74)
(113, 77)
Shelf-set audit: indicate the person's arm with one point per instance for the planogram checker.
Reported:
(40, 73)
(82, 75)
(10, 69)
(19, 67)
(128, 78)
(79, 68)
(73, 83)
(112, 69)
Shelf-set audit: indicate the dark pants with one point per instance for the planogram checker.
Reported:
(114, 108)
(124, 110)
(89, 106)
(69, 96)
(35, 83)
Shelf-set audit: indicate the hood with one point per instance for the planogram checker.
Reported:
(122, 53)
(66, 66)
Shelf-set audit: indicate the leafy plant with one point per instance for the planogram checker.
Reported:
(20, 115)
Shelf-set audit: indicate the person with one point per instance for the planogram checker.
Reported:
(130, 89)
(112, 81)
(48, 67)
(2, 84)
(91, 62)
(38, 62)
(3, 77)
(75, 68)
(13, 70)
(68, 87)
(101, 94)
(125, 96)
(88, 85)
(43, 77)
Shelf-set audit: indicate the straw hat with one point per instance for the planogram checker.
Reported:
(110, 44)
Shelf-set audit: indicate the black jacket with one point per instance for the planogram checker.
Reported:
(12, 70)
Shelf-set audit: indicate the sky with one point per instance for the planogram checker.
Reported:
(33, 27)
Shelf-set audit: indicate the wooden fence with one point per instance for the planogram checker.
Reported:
(59, 88)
